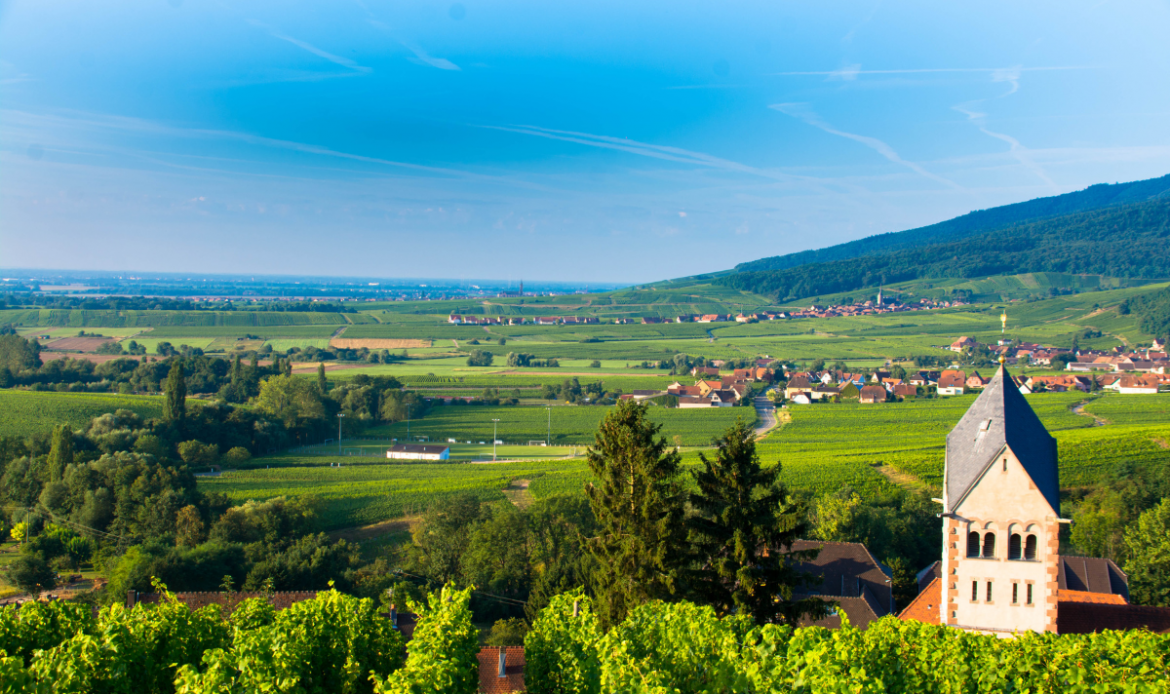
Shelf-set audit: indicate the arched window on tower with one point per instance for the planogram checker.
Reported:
(1015, 546)
(989, 546)
(972, 544)
(1030, 548)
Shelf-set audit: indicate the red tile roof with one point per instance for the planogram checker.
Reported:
(925, 607)
(490, 681)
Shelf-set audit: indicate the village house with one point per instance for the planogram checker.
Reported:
(797, 384)
(547, 320)
(963, 342)
(904, 391)
(1135, 385)
(824, 393)
(706, 386)
(872, 394)
(850, 576)
(700, 371)
(975, 381)
(952, 383)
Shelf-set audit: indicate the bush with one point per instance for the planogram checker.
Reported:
(198, 453)
(239, 454)
(31, 574)
(507, 632)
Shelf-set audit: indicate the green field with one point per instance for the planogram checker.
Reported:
(368, 493)
(25, 412)
(569, 424)
(822, 448)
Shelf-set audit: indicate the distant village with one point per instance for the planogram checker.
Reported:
(880, 305)
(1129, 373)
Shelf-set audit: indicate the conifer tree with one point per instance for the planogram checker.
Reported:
(322, 383)
(237, 370)
(175, 404)
(742, 532)
(61, 453)
(638, 502)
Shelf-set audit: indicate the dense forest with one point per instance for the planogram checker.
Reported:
(1127, 241)
(975, 223)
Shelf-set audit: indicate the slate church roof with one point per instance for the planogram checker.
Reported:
(1000, 416)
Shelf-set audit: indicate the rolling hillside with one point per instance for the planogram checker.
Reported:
(1131, 241)
(975, 223)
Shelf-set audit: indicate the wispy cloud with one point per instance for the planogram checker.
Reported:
(854, 71)
(335, 59)
(675, 154)
(1018, 151)
(64, 121)
(806, 114)
(421, 57)
(846, 74)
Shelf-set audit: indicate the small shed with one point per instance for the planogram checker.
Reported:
(418, 451)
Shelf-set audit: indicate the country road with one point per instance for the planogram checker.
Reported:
(766, 411)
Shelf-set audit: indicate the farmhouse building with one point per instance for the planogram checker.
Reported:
(413, 451)
(872, 394)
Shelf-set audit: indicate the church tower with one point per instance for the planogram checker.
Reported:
(879, 297)
(1001, 516)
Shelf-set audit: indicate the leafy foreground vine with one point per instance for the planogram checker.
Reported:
(681, 647)
(337, 643)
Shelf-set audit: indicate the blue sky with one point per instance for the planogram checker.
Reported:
(604, 141)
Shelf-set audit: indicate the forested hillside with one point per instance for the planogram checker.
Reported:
(1127, 241)
(975, 223)
(1154, 311)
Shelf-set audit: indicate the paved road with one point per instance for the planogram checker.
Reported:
(766, 411)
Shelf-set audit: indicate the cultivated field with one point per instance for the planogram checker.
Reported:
(25, 412)
(349, 343)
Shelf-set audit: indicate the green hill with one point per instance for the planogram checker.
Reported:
(975, 223)
(1131, 241)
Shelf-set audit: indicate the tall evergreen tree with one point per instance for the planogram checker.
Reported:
(638, 501)
(237, 370)
(175, 404)
(61, 453)
(742, 533)
(322, 383)
(287, 367)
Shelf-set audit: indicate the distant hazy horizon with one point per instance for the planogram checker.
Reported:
(590, 142)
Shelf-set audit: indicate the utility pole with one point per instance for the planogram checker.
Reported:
(408, 423)
(339, 433)
(495, 431)
(548, 441)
